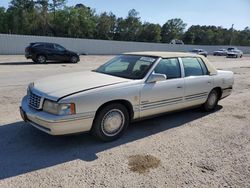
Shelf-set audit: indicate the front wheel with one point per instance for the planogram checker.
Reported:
(212, 101)
(73, 59)
(111, 122)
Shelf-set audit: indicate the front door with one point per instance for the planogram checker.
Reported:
(60, 53)
(163, 96)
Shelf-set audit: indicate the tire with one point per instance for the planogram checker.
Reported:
(212, 101)
(104, 122)
(73, 59)
(41, 59)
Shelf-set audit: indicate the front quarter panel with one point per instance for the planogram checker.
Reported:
(89, 102)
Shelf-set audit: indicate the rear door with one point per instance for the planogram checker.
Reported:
(49, 50)
(163, 96)
(198, 82)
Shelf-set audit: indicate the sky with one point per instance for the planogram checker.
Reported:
(193, 12)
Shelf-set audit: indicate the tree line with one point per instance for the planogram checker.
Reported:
(54, 18)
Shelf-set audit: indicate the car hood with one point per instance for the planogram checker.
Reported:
(71, 52)
(56, 87)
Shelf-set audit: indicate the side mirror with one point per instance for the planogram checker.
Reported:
(155, 77)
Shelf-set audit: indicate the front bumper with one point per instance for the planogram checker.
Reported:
(55, 124)
(28, 56)
(232, 55)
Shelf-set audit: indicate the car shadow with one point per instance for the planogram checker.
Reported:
(32, 63)
(25, 149)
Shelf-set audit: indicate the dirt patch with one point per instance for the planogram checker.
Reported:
(206, 168)
(239, 117)
(143, 163)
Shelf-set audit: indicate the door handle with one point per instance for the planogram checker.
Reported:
(209, 82)
(179, 87)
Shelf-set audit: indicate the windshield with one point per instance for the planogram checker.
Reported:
(127, 66)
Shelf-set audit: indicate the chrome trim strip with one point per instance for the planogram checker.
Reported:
(195, 98)
(197, 94)
(89, 116)
(160, 105)
(165, 100)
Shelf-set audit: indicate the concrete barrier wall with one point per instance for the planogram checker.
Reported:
(15, 44)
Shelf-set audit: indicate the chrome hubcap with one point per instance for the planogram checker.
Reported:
(73, 59)
(212, 99)
(41, 59)
(112, 122)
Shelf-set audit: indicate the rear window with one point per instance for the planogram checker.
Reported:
(192, 67)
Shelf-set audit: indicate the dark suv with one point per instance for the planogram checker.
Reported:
(40, 52)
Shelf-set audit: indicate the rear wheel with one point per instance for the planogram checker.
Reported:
(111, 122)
(41, 59)
(212, 101)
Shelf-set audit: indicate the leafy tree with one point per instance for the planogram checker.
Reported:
(81, 22)
(18, 15)
(173, 29)
(106, 25)
(52, 18)
(150, 33)
(3, 26)
(128, 29)
(56, 4)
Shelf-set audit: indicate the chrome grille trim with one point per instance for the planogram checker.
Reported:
(35, 101)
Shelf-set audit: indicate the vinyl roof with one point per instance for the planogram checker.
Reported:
(163, 54)
(210, 67)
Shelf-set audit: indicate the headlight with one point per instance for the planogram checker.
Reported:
(58, 109)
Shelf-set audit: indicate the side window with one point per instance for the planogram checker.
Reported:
(192, 67)
(59, 48)
(203, 66)
(169, 67)
(38, 46)
(49, 46)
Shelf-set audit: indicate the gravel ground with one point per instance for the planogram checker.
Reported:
(184, 149)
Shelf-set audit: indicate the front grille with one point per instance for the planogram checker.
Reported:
(34, 100)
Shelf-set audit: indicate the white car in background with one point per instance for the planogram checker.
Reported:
(234, 52)
(129, 87)
(220, 52)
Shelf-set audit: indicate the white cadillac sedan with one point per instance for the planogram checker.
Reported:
(129, 87)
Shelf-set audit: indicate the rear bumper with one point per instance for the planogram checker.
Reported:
(226, 92)
(54, 124)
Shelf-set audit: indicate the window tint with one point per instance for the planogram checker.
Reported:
(169, 67)
(203, 66)
(38, 46)
(60, 48)
(127, 66)
(192, 67)
(49, 46)
(120, 66)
